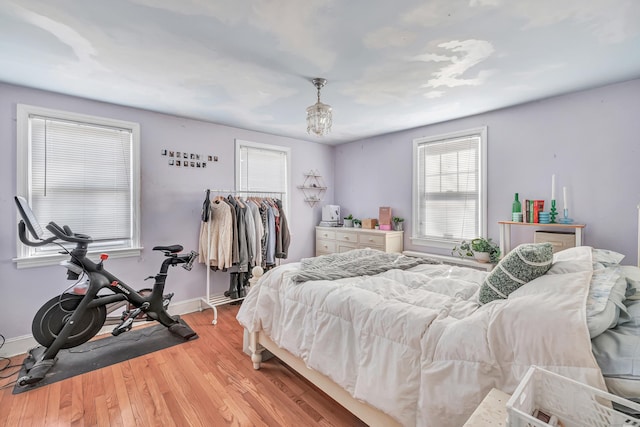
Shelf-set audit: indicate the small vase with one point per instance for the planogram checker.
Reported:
(397, 226)
(348, 223)
(481, 256)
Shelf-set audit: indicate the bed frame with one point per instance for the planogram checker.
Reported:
(258, 342)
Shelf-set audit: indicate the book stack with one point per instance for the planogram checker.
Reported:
(532, 209)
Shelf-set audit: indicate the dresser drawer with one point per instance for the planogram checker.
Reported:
(339, 239)
(370, 240)
(344, 236)
(345, 246)
(326, 234)
(325, 246)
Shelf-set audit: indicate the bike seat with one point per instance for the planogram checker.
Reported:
(174, 249)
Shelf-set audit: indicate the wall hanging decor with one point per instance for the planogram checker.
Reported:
(313, 187)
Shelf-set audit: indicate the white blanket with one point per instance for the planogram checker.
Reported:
(416, 344)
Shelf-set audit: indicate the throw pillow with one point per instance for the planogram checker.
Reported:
(521, 265)
(606, 257)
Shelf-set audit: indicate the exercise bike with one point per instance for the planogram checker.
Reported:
(73, 318)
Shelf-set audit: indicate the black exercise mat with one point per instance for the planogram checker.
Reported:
(104, 352)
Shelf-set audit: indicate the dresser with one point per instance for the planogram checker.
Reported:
(340, 239)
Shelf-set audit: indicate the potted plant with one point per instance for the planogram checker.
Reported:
(357, 223)
(348, 221)
(398, 223)
(483, 250)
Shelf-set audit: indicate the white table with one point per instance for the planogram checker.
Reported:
(492, 411)
(505, 232)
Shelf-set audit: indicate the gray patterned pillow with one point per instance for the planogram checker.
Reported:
(521, 265)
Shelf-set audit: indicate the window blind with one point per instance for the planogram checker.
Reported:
(81, 176)
(262, 169)
(448, 189)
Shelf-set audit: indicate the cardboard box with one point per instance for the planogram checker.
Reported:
(384, 216)
(369, 223)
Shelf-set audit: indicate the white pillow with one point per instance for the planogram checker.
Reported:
(606, 257)
(632, 274)
(604, 301)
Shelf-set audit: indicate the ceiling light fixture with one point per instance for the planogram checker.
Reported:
(319, 115)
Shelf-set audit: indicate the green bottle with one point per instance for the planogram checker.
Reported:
(517, 207)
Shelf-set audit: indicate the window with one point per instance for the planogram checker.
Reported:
(449, 188)
(83, 172)
(262, 168)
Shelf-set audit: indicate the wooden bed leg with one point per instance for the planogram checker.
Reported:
(256, 350)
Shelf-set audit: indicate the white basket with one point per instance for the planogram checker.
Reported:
(573, 403)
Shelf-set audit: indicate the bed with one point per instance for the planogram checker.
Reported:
(412, 345)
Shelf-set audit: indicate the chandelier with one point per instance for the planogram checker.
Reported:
(319, 114)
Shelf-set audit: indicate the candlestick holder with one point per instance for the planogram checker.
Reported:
(553, 212)
(566, 219)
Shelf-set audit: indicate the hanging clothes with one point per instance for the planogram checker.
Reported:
(283, 238)
(271, 236)
(250, 229)
(242, 232)
(243, 254)
(258, 231)
(216, 237)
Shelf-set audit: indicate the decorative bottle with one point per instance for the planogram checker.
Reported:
(516, 210)
(517, 207)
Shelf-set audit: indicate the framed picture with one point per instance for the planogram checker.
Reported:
(163, 152)
(177, 162)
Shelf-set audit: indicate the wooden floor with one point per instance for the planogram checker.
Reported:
(205, 382)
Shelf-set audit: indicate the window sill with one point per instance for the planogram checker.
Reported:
(434, 243)
(55, 259)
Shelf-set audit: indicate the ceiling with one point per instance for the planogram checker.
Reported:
(248, 63)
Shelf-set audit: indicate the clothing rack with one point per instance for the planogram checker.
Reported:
(214, 300)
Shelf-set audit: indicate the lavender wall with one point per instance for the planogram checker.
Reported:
(171, 200)
(589, 139)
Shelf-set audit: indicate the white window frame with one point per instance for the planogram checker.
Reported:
(260, 146)
(444, 243)
(26, 255)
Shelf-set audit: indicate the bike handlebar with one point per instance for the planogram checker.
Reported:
(58, 233)
(189, 259)
(66, 234)
(22, 234)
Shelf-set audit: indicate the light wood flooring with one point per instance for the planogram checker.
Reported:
(205, 382)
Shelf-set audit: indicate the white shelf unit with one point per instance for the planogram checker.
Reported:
(313, 188)
(505, 232)
(214, 300)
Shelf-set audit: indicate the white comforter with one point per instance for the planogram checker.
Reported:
(415, 343)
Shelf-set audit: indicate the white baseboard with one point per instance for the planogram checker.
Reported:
(24, 343)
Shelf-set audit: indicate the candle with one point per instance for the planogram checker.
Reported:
(564, 197)
(553, 186)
